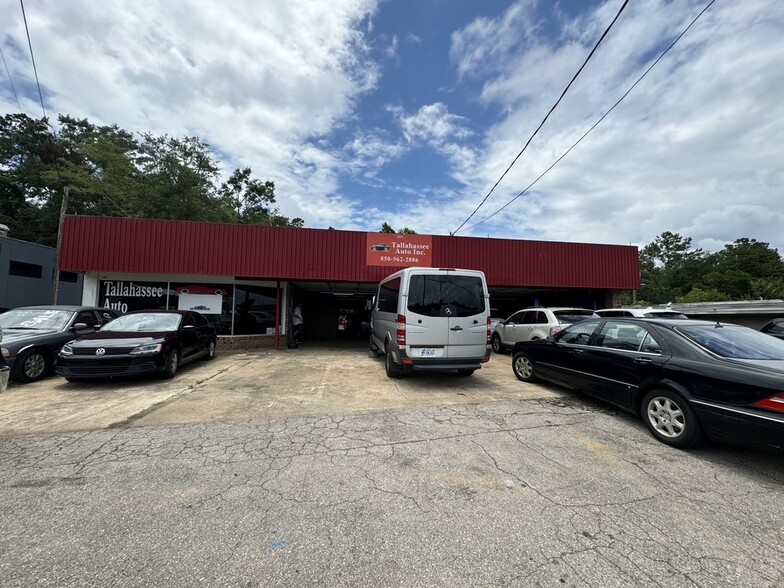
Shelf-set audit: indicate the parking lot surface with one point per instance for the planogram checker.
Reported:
(316, 380)
(479, 488)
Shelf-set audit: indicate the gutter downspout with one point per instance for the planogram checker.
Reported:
(277, 316)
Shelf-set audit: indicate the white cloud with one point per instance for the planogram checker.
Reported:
(259, 81)
(696, 139)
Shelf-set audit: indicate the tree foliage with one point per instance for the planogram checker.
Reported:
(672, 271)
(387, 228)
(112, 172)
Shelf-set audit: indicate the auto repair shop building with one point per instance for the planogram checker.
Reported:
(246, 279)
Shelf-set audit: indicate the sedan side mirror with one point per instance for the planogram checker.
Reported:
(81, 327)
(551, 338)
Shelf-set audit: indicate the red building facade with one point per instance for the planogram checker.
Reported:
(273, 263)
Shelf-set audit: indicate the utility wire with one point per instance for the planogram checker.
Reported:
(541, 124)
(30, 44)
(10, 81)
(596, 124)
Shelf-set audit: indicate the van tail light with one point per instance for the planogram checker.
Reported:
(489, 332)
(554, 330)
(774, 403)
(401, 330)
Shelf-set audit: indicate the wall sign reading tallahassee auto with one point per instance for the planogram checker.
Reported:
(399, 250)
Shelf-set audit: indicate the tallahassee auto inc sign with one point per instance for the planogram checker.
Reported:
(386, 249)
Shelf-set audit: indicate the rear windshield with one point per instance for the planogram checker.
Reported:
(735, 342)
(668, 314)
(572, 316)
(430, 294)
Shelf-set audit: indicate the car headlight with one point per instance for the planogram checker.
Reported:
(147, 349)
(6, 354)
(67, 349)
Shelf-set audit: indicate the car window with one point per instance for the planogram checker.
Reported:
(650, 345)
(734, 342)
(617, 335)
(577, 334)
(200, 320)
(572, 316)
(429, 294)
(188, 321)
(529, 318)
(35, 319)
(144, 323)
(775, 326)
(107, 315)
(541, 318)
(668, 314)
(516, 318)
(388, 295)
(87, 317)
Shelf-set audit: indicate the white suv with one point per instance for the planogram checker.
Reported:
(535, 323)
(649, 312)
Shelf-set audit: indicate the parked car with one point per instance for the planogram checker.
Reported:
(642, 312)
(535, 323)
(32, 335)
(685, 378)
(774, 328)
(138, 343)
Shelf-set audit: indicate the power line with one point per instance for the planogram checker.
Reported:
(30, 44)
(596, 124)
(541, 124)
(10, 81)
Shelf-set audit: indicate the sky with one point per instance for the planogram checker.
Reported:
(409, 111)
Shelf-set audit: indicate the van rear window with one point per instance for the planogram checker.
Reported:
(427, 295)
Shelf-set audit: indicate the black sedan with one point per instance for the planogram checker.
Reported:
(686, 378)
(138, 343)
(32, 335)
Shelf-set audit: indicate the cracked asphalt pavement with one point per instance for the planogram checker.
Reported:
(445, 481)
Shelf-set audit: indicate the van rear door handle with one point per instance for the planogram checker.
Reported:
(457, 328)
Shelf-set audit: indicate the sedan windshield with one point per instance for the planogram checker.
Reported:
(735, 342)
(144, 323)
(35, 319)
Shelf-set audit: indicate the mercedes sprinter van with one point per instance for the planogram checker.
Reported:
(431, 319)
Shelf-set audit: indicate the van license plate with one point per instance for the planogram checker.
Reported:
(426, 352)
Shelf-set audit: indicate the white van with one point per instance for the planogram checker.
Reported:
(432, 319)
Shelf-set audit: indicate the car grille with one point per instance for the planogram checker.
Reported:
(109, 368)
(109, 351)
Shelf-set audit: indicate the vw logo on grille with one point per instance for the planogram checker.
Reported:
(100, 351)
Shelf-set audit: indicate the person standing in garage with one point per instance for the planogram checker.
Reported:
(297, 321)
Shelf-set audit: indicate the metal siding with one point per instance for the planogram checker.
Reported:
(121, 245)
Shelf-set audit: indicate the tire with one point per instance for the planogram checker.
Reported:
(523, 367)
(498, 347)
(670, 419)
(32, 365)
(465, 373)
(393, 370)
(211, 349)
(172, 364)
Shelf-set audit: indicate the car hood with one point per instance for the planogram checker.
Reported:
(11, 336)
(118, 339)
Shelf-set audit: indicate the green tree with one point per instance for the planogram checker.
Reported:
(670, 267)
(387, 228)
(111, 172)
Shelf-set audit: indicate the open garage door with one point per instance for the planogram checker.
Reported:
(334, 310)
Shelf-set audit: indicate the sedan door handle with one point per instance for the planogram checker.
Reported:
(642, 360)
(457, 328)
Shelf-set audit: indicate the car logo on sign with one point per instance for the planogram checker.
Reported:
(100, 351)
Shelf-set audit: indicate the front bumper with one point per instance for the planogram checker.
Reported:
(109, 366)
(741, 425)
